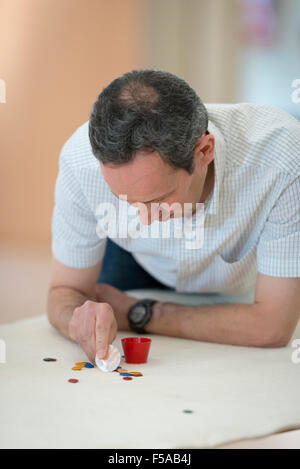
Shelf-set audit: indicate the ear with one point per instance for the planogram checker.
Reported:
(204, 150)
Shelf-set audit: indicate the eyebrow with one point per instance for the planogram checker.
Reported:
(157, 198)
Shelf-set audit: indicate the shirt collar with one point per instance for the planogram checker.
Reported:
(219, 163)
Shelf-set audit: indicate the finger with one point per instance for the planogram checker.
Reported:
(103, 327)
(113, 332)
(89, 351)
(87, 336)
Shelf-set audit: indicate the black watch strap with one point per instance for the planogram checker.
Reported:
(140, 327)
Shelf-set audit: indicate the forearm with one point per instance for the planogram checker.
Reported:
(61, 303)
(236, 324)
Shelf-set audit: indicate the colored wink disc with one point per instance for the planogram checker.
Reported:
(124, 374)
(76, 367)
(49, 359)
(122, 370)
(136, 373)
(89, 365)
(80, 363)
(188, 411)
(127, 378)
(73, 380)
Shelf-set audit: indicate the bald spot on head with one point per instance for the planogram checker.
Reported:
(136, 92)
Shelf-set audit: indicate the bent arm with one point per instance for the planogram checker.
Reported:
(268, 322)
(69, 288)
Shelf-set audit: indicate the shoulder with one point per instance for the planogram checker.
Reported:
(258, 135)
(80, 169)
(77, 151)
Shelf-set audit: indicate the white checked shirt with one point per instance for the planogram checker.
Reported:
(251, 222)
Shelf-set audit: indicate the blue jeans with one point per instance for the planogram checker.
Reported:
(120, 269)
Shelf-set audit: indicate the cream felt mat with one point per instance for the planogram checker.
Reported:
(234, 392)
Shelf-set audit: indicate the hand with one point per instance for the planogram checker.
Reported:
(120, 302)
(93, 326)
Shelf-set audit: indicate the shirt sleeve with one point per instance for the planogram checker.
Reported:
(278, 250)
(75, 242)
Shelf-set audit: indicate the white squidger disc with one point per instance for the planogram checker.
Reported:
(112, 361)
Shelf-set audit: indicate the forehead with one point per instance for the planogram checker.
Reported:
(146, 177)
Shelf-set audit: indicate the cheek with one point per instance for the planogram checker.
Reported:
(183, 189)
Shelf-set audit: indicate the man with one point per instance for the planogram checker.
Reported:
(150, 141)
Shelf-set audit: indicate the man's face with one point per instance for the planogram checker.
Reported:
(152, 185)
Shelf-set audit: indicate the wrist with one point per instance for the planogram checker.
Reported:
(157, 311)
(71, 329)
(122, 321)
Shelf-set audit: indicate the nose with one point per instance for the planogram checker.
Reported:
(145, 216)
(148, 213)
(156, 212)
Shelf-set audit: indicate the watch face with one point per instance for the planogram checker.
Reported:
(137, 314)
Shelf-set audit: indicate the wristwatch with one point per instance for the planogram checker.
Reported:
(140, 314)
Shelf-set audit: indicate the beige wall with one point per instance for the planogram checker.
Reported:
(197, 40)
(55, 57)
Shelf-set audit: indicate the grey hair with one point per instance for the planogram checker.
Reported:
(147, 111)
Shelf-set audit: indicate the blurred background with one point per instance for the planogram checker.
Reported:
(56, 56)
